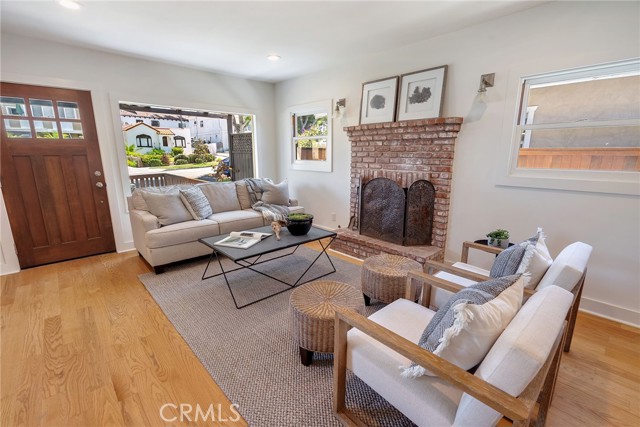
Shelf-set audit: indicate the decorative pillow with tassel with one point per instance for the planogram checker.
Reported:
(466, 327)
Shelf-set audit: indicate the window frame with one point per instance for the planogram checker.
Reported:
(146, 137)
(598, 181)
(319, 107)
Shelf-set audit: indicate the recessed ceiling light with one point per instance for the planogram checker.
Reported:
(70, 4)
(273, 57)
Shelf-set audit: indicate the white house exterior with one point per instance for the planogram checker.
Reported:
(213, 131)
(146, 137)
(128, 117)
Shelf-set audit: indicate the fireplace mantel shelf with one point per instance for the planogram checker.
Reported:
(404, 123)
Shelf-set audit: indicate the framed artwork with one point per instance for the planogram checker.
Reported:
(378, 103)
(422, 93)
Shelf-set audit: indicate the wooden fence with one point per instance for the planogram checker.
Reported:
(159, 180)
(614, 159)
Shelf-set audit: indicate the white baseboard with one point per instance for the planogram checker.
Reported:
(611, 312)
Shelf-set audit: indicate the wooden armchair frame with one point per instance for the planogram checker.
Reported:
(520, 410)
(431, 266)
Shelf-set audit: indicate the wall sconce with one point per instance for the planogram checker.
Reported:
(341, 106)
(486, 80)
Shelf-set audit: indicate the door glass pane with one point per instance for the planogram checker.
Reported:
(71, 130)
(68, 110)
(13, 106)
(41, 108)
(45, 129)
(17, 128)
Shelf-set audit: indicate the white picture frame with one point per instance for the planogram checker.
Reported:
(378, 101)
(422, 94)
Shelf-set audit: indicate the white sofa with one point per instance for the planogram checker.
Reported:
(161, 244)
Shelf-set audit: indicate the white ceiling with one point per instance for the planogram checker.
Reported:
(234, 37)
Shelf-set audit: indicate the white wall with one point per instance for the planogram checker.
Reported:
(113, 78)
(551, 37)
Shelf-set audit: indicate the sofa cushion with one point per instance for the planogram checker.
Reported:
(137, 198)
(182, 232)
(168, 206)
(243, 194)
(222, 196)
(276, 194)
(196, 203)
(237, 220)
(568, 267)
(424, 400)
(519, 353)
(465, 328)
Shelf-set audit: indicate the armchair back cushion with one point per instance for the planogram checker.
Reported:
(568, 267)
(519, 353)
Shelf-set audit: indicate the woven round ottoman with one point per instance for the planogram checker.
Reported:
(384, 277)
(313, 309)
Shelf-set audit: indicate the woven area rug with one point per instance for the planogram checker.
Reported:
(250, 353)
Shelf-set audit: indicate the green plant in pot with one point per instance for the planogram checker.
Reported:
(498, 238)
(299, 224)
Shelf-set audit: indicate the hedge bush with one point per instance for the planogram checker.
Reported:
(132, 163)
(180, 162)
(199, 160)
(154, 162)
(180, 157)
(192, 158)
(177, 150)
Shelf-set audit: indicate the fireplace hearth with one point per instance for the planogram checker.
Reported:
(400, 186)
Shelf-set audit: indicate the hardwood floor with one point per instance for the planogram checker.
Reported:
(84, 344)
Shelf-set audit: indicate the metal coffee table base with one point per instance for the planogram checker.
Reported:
(247, 264)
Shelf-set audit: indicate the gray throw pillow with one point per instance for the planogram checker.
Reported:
(276, 194)
(196, 203)
(508, 261)
(168, 207)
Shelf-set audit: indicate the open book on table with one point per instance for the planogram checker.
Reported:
(242, 239)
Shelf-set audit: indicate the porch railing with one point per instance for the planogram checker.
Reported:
(159, 180)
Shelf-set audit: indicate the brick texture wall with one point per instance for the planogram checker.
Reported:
(405, 152)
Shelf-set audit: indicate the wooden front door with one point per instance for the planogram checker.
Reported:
(52, 177)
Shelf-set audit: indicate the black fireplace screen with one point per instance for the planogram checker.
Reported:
(398, 215)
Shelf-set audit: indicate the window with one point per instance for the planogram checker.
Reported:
(180, 141)
(586, 119)
(155, 123)
(578, 127)
(165, 141)
(201, 123)
(311, 137)
(143, 140)
(138, 120)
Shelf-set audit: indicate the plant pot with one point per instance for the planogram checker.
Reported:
(299, 227)
(498, 243)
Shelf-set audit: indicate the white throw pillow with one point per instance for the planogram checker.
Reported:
(466, 327)
(536, 259)
(276, 194)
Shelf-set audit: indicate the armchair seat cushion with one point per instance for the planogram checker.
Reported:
(427, 401)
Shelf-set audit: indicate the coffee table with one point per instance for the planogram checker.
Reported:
(251, 257)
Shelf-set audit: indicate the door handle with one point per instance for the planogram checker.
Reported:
(99, 184)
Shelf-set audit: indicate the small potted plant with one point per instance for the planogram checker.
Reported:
(498, 238)
(299, 224)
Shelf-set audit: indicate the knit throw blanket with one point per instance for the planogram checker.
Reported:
(269, 212)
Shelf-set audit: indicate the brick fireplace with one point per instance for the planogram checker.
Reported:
(398, 157)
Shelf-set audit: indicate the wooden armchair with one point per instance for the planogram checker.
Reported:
(568, 270)
(530, 346)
